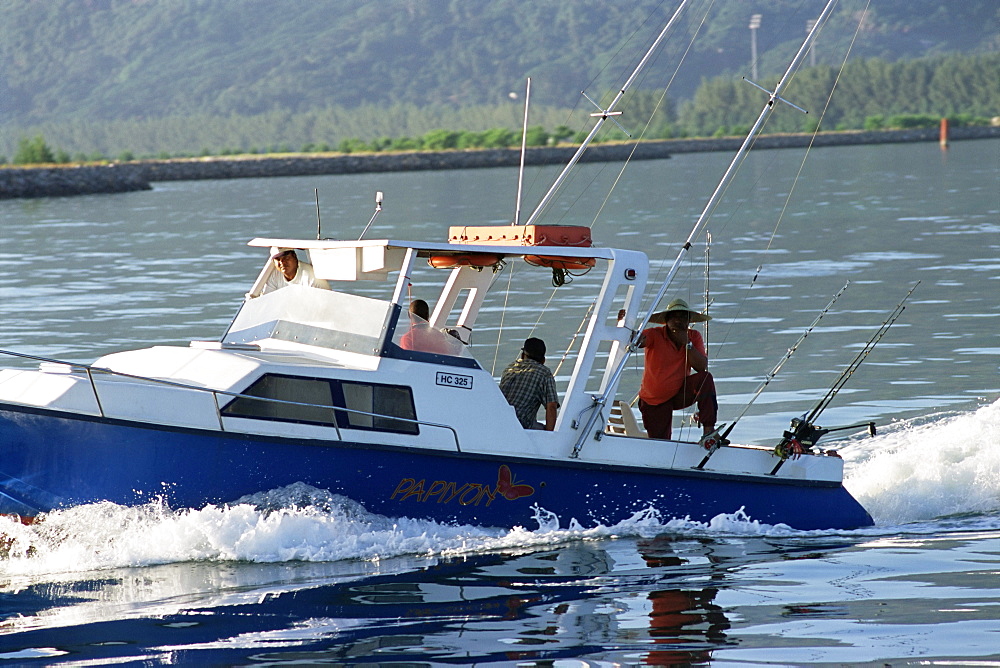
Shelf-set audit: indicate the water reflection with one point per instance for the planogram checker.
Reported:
(672, 599)
(572, 600)
(651, 601)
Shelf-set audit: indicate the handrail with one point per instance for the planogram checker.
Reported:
(89, 369)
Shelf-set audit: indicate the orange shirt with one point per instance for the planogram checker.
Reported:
(424, 338)
(666, 365)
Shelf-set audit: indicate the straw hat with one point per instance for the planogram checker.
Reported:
(678, 305)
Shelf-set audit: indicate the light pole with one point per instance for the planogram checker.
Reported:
(754, 24)
(812, 49)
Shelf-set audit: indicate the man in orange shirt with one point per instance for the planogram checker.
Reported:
(671, 352)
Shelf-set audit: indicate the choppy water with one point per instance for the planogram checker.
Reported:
(297, 576)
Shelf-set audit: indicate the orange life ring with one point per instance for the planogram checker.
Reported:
(568, 263)
(463, 260)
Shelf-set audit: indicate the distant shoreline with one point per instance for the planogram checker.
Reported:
(55, 181)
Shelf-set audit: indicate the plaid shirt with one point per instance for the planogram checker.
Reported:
(527, 385)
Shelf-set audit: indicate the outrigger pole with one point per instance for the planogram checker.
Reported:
(601, 400)
(603, 115)
(524, 149)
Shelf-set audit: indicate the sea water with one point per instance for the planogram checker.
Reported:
(300, 576)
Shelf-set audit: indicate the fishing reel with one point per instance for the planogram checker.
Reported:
(802, 435)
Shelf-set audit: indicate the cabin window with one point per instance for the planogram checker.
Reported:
(385, 402)
(380, 406)
(286, 388)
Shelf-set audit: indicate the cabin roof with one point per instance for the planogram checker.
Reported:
(424, 248)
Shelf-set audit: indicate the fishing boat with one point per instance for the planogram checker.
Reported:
(325, 385)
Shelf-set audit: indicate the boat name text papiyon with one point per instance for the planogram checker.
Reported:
(466, 494)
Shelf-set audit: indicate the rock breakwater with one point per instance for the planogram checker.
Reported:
(123, 177)
(304, 165)
(71, 180)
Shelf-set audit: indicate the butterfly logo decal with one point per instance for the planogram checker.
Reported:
(510, 489)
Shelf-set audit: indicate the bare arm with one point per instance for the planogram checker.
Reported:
(697, 359)
(551, 409)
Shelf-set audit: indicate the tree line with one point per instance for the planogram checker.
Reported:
(964, 88)
(868, 94)
(120, 59)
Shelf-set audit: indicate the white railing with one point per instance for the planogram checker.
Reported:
(92, 370)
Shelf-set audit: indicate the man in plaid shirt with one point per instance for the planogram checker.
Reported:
(527, 384)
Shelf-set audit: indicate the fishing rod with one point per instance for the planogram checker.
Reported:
(722, 438)
(853, 366)
(601, 400)
(791, 351)
(708, 276)
(803, 433)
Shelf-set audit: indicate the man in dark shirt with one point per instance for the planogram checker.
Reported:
(528, 384)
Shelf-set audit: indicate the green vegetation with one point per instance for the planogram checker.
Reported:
(962, 88)
(103, 60)
(33, 151)
(114, 77)
(870, 94)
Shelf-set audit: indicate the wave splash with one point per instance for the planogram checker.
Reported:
(921, 470)
(294, 523)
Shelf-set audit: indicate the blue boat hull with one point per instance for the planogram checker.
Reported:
(52, 460)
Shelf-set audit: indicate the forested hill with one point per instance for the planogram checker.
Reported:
(94, 60)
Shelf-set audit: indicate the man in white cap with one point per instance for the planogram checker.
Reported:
(289, 271)
(672, 352)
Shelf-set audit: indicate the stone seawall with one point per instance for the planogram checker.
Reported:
(71, 180)
(123, 177)
(303, 165)
(847, 138)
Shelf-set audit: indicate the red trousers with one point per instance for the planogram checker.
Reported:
(698, 387)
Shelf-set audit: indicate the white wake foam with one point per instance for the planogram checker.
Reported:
(920, 470)
(296, 523)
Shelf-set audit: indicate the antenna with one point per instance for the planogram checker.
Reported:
(319, 223)
(378, 210)
(524, 146)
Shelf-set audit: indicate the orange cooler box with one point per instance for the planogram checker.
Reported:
(522, 235)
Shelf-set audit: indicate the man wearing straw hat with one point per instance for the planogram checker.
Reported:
(672, 352)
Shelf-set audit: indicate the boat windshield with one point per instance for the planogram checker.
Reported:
(337, 320)
(325, 318)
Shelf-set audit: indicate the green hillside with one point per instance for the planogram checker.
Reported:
(85, 62)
